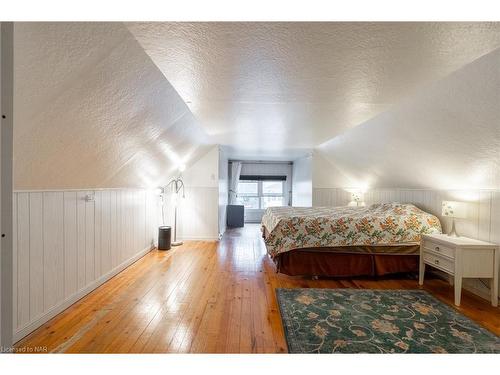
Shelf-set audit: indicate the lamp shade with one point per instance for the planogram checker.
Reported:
(454, 209)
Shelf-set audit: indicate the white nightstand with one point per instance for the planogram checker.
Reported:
(461, 257)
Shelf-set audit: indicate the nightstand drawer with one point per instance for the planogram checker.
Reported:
(440, 262)
(438, 249)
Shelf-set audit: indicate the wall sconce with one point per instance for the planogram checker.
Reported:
(454, 210)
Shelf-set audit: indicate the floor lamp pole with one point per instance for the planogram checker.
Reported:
(175, 243)
(176, 185)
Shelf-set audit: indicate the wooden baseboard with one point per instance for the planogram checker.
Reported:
(45, 317)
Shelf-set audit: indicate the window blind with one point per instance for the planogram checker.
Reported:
(262, 178)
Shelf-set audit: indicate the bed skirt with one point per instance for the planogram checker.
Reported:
(348, 261)
(307, 262)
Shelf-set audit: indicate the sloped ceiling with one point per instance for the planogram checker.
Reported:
(92, 110)
(445, 136)
(262, 88)
(121, 105)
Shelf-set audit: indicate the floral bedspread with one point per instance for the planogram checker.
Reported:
(382, 224)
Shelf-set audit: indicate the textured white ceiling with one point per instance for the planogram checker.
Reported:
(445, 136)
(266, 88)
(98, 106)
(92, 110)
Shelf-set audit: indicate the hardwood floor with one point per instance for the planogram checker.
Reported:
(204, 297)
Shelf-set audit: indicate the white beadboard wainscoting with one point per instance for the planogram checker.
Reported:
(197, 214)
(483, 218)
(66, 246)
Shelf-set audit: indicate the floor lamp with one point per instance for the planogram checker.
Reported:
(176, 185)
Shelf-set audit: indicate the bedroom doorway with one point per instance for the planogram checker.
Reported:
(260, 184)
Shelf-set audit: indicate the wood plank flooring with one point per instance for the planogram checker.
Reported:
(204, 297)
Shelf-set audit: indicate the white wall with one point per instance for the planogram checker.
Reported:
(223, 189)
(198, 213)
(302, 182)
(66, 246)
(326, 175)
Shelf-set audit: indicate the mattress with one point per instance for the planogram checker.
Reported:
(383, 224)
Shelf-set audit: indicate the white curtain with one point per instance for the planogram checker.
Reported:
(233, 183)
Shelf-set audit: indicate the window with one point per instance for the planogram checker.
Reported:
(248, 194)
(272, 194)
(261, 194)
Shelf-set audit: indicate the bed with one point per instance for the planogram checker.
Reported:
(375, 240)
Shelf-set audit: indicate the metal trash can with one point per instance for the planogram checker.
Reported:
(164, 238)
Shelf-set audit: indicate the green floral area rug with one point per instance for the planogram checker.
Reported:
(377, 321)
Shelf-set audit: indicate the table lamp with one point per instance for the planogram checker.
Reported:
(356, 200)
(454, 210)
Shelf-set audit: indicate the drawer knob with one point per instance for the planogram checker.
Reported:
(437, 248)
(436, 261)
